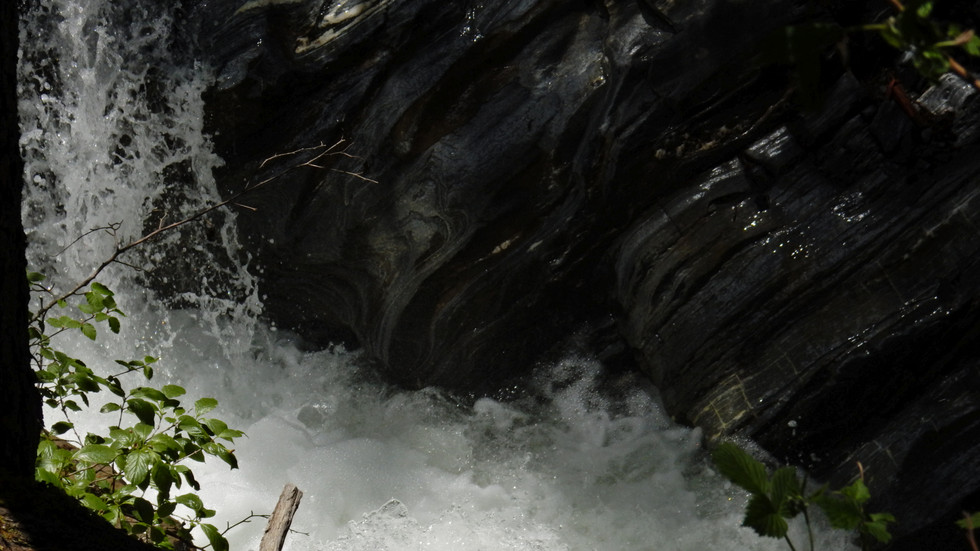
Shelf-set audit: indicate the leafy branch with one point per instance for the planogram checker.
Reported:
(782, 496)
(932, 46)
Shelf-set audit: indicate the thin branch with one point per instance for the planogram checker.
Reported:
(354, 174)
(163, 228)
(969, 532)
(246, 520)
(111, 229)
(961, 72)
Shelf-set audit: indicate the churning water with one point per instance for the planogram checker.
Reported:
(111, 115)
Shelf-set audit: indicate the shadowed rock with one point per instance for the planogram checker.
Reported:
(516, 169)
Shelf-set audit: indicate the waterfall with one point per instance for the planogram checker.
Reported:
(574, 459)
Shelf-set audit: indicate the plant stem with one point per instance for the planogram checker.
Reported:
(809, 527)
(789, 542)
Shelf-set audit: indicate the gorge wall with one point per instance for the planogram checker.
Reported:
(515, 171)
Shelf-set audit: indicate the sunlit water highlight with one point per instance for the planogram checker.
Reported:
(573, 461)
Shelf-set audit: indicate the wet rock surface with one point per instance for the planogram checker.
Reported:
(513, 171)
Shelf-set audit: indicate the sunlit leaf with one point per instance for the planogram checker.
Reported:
(138, 465)
(142, 409)
(205, 405)
(101, 289)
(96, 453)
(94, 502)
(218, 542)
(191, 501)
(173, 391)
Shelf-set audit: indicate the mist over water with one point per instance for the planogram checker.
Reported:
(573, 460)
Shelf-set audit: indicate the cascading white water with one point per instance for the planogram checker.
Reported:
(112, 133)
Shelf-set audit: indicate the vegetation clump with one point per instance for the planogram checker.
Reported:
(132, 474)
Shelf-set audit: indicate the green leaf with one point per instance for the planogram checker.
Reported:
(163, 443)
(149, 393)
(101, 289)
(113, 324)
(110, 407)
(216, 426)
(162, 478)
(972, 522)
(88, 330)
(143, 510)
(842, 513)
(741, 468)
(857, 491)
(878, 530)
(785, 488)
(191, 501)
(924, 10)
(762, 516)
(138, 465)
(94, 502)
(62, 427)
(189, 477)
(114, 387)
(166, 508)
(205, 405)
(143, 410)
(96, 453)
(44, 475)
(142, 430)
(222, 452)
(230, 434)
(218, 542)
(85, 382)
(35, 277)
(191, 426)
(123, 493)
(173, 391)
(157, 536)
(123, 438)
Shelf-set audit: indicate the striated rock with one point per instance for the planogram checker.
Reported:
(513, 170)
(832, 315)
(501, 148)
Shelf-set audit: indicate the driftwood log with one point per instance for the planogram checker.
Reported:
(281, 519)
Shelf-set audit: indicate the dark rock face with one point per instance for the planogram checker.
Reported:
(839, 323)
(507, 145)
(515, 169)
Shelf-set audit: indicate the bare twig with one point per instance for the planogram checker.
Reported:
(323, 151)
(246, 520)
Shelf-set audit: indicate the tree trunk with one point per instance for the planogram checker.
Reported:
(20, 406)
